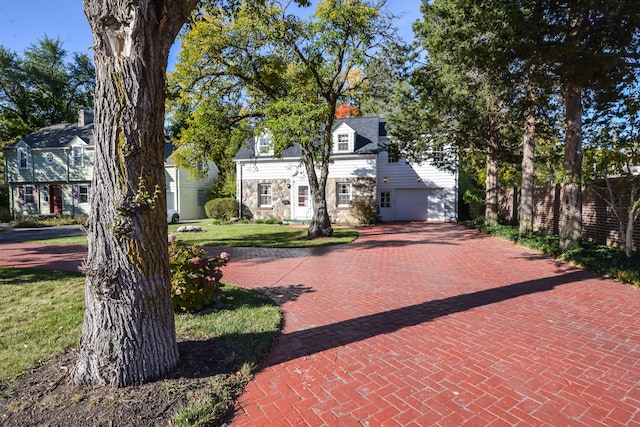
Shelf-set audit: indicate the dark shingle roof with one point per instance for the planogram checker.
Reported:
(57, 136)
(368, 130)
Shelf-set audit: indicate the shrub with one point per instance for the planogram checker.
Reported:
(365, 209)
(195, 278)
(224, 209)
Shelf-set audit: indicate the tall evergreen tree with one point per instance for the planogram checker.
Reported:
(42, 87)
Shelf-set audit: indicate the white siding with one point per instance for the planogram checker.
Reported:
(419, 192)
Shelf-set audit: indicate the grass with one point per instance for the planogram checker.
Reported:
(41, 316)
(254, 235)
(604, 260)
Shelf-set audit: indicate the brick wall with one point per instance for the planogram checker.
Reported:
(599, 223)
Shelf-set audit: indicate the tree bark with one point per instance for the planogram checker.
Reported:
(320, 225)
(128, 335)
(528, 158)
(571, 226)
(491, 181)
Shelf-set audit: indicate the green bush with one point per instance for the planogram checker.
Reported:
(365, 210)
(475, 199)
(195, 278)
(224, 209)
(605, 260)
(5, 214)
(271, 221)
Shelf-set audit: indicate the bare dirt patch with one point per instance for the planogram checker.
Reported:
(44, 396)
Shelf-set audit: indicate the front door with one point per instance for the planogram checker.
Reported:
(55, 199)
(303, 206)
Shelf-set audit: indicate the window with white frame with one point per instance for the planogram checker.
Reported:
(29, 197)
(343, 143)
(78, 157)
(344, 193)
(23, 161)
(385, 199)
(83, 194)
(264, 191)
(201, 198)
(263, 144)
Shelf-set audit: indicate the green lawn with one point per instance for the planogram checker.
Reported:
(254, 235)
(41, 316)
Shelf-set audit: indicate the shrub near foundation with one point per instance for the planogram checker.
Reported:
(223, 209)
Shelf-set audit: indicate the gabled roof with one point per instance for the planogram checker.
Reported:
(56, 136)
(369, 131)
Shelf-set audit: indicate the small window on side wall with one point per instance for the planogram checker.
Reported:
(344, 194)
(264, 191)
(385, 199)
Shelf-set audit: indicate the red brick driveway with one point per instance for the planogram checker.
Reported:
(423, 325)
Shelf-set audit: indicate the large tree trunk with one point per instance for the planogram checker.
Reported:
(528, 158)
(571, 226)
(320, 225)
(128, 335)
(491, 181)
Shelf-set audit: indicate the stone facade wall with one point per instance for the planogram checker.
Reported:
(281, 205)
(365, 187)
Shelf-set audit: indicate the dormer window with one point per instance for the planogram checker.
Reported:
(78, 157)
(263, 144)
(23, 163)
(343, 142)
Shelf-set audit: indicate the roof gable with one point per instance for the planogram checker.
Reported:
(57, 136)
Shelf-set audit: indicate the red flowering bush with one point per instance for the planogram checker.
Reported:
(195, 277)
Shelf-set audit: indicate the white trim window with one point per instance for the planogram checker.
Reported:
(23, 158)
(83, 194)
(385, 199)
(344, 193)
(342, 143)
(263, 144)
(264, 195)
(77, 155)
(27, 194)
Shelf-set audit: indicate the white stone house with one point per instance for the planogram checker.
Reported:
(49, 172)
(277, 187)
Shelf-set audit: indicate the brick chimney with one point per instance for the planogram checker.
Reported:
(85, 117)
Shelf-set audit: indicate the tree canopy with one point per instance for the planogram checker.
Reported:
(263, 68)
(44, 85)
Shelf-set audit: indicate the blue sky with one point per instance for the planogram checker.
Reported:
(22, 23)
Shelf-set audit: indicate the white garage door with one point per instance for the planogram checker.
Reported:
(418, 205)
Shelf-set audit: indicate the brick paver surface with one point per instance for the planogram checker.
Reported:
(423, 325)
(434, 324)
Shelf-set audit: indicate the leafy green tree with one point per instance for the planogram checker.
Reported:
(265, 69)
(42, 87)
(610, 162)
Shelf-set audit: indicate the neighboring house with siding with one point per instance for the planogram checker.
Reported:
(362, 165)
(49, 172)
